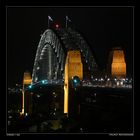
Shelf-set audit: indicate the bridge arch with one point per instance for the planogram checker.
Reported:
(52, 51)
(48, 61)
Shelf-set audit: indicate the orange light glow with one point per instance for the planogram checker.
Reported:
(26, 81)
(27, 78)
(118, 64)
(22, 112)
(73, 67)
(66, 89)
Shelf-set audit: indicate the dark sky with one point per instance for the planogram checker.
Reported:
(103, 28)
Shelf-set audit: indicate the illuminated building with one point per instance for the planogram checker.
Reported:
(117, 64)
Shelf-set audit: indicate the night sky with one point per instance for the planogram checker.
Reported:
(103, 28)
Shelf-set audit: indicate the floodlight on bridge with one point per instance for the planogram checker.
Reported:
(30, 86)
(75, 81)
(44, 81)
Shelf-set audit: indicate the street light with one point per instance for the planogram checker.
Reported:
(30, 86)
(75, 81)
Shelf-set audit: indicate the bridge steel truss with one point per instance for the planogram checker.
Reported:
(51, 53)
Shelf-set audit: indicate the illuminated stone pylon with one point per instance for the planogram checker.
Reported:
(26, 82)
(73, 67)
(117, 64)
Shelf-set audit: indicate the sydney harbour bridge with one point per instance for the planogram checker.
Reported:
(62, 54)
(63, 62)
(52, 51)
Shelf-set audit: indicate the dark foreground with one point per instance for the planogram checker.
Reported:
(102, 111)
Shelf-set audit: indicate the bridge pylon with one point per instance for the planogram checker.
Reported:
(73, 67)
(26, 101)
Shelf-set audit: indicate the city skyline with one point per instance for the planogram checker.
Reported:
(101, 27)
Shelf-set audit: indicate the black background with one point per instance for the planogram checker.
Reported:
(103, 27)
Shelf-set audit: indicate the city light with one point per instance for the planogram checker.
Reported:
(44, 81)
(30, 86)
(38, 95)
(75, 81)
(57, 26)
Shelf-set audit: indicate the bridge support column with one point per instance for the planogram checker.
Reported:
(73, 67)
(26, 101)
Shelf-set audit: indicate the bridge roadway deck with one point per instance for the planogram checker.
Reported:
(98, 90)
